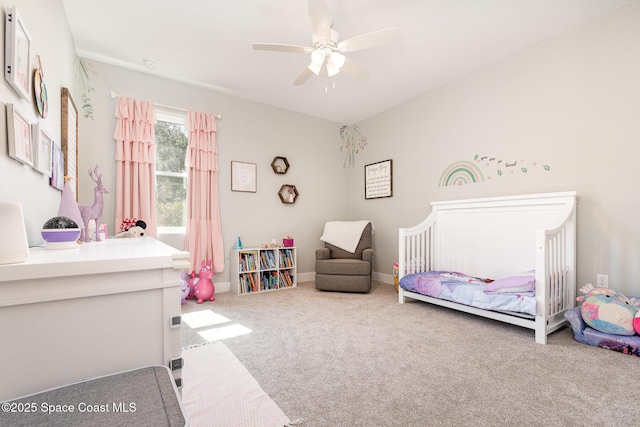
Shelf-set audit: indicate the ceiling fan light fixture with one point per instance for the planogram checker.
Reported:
(337, 59)
(317, 57)
(332, 70)
(326, 47)
(315, 68)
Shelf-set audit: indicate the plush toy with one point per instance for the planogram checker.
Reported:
(607, 310)
(134, 231)
(127, 223)
(192, 279)
(185, 289)
(636, 322)
(204, 288)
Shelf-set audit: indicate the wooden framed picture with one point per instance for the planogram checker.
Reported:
(19, 136)
(57, 167)
(42, 149)
(17, 53)
(378, 180)
(243, 177)
(69, 141)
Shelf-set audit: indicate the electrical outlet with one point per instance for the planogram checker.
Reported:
(602, 281)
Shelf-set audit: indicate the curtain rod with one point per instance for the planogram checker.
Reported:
(217, 116)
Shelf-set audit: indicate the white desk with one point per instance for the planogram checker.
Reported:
(72, 314)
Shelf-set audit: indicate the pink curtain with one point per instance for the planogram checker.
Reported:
(203, 237)
(135, 163)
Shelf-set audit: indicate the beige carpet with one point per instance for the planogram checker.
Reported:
(218, 391)
(363, 360)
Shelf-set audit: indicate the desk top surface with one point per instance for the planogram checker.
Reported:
(96, 257)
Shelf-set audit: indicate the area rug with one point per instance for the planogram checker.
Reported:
(218, 391)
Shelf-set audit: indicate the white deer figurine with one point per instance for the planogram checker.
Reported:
(93, 212)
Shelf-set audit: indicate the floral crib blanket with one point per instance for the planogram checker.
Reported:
(472, 291)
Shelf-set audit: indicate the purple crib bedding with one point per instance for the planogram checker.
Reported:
(468, 290)
(587, 335)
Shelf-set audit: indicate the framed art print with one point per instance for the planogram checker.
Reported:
(69, 142)
(243, 177)
(57, 167)
(42, 150)
(378, 180)
(17, 53)
(19, 136)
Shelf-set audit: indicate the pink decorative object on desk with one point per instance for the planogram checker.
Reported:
(93, 212)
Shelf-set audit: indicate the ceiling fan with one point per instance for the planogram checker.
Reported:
(327, 51)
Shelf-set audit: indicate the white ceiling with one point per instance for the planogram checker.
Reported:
(208, 43)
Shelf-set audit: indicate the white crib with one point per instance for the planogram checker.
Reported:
(496, 237)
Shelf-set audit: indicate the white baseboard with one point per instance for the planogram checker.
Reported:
(307, 277)
(223, 287)
(378, 277)
(382, 277)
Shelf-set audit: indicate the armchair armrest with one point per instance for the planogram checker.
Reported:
(322, 254)
(367, 255)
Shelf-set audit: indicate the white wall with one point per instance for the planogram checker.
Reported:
(572, 102)
(46, 23)
(248, 132)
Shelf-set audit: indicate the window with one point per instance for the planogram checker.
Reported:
(171, 173)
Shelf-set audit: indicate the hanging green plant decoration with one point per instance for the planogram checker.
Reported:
(352, 143)
(83, 82)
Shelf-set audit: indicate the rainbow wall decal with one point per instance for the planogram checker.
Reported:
(459, 173)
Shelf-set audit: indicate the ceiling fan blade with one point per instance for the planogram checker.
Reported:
(282, 47)
(354, 69)
(320, 19)
(303, 77)
(365, 41)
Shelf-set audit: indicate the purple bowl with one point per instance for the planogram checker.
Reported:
(57, 235)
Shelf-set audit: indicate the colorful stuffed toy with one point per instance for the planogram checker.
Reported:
(607, 310)
(134, 231)
(185, 289)
(636, 320)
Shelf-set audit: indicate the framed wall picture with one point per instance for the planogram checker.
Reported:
(69, 141)
(19, 136)
(243, 177)
(378, 180)
(42, 149)
(57, 167)
(17, 53)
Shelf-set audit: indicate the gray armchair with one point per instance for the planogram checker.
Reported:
(343, 271)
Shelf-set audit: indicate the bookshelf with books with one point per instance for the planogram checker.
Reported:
(257, 270)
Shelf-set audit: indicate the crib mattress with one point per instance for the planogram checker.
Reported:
(468, 290)
(587, 335)
(142, 397)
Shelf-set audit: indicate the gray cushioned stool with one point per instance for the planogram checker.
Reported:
(142, 397)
